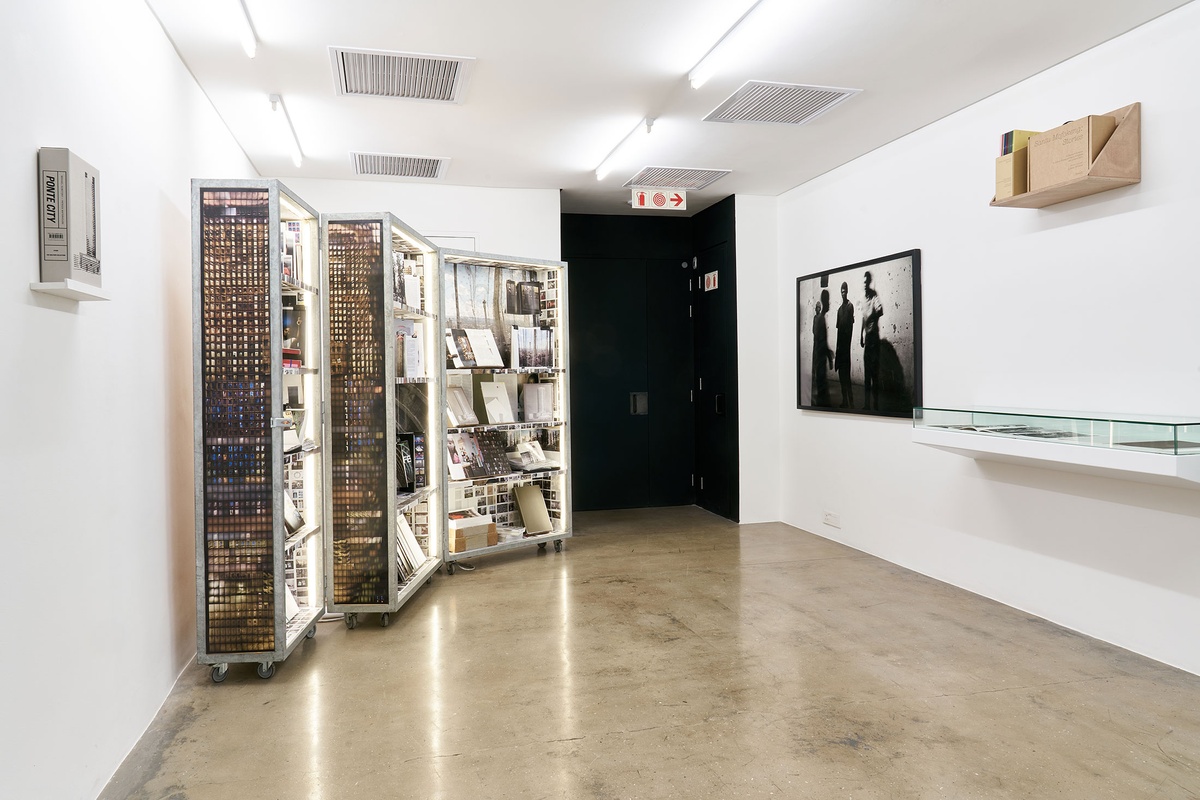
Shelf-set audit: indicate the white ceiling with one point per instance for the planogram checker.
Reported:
(558, 83)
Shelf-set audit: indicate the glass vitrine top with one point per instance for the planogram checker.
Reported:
(1167, 435)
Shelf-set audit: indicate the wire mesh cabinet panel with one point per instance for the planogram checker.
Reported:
(382, 379)
(507, 443)
(256, 328)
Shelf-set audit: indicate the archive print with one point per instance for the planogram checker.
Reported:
(858, 337)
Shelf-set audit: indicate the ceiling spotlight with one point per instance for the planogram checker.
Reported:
(286, 131)
(607, 164)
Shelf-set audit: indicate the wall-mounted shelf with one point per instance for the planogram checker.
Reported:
(71, 289)
(1118, 164)
(1162, 451)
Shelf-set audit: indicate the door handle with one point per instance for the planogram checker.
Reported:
(639, 404)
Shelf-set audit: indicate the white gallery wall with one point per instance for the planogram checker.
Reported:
(96, 412)
(516, 222)
(1086, 306)
(760, 372)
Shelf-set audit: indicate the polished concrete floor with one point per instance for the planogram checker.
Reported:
(673, 654)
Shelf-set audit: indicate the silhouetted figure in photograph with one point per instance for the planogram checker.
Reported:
(845, 334)
(822, 360)
(869, 339)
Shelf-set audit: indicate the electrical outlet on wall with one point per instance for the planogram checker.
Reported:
(833, 520)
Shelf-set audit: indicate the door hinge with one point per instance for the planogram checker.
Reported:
(702, 384)
(689, 311)
(693, 479)
(692, 395)
(702, 483)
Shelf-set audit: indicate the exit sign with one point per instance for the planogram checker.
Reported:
(659, 199)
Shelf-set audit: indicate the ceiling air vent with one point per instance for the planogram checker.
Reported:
(675, 178)
(413, 76)
(399, 166)
(779, 103)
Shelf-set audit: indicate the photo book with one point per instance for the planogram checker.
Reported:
(459, 409)
(496, 403)
(538, 401)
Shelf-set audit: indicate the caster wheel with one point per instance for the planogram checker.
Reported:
(450, 568)
(385, 619)
(219, 672)
(352, 621)
(558, 545)
(266, 670)
(311, 632)
(541, 545)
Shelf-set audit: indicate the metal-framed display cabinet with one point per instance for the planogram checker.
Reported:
(384, 466)
(507, 444)
(256, 330)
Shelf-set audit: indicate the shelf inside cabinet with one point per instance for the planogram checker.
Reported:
(411, 312)
(298, 286)
(504, 370)
(512, 544)
(508, 477)
(1160, 451)
(407, 501)
(415, 581)
(298, 625)
(299, 536)
(508, 426)
(1118, 164)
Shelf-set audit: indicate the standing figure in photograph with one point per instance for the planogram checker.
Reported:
(841, 359)
(822, 359)
(869, 339)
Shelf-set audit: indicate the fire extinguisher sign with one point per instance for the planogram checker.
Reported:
(659, 199)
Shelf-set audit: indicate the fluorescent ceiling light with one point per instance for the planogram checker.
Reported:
(607, 164)
(286, 130)
(711, 62)
(245, 29)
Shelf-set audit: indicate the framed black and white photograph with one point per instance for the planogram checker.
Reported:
(858, 337)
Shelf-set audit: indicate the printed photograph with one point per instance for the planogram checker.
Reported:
(858, 337)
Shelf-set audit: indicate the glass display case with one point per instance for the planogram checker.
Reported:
(1156, 449)
(257, 328)
(383, 378)
(507, 443)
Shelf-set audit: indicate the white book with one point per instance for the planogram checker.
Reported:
(412, 290)
(483, 344)
(513, 384)
(538, 399)
(408, 542)
(459, 410)
(496, 403)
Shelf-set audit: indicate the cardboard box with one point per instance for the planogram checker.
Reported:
(473, 538)
(1067, 152)
(1012, 174)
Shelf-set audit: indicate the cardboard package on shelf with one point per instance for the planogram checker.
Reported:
(1068, 151)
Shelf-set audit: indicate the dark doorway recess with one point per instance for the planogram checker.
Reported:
(644, 431)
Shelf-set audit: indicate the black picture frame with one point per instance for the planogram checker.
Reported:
(837, 381)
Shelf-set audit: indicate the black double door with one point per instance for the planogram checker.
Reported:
(631, 375)
(653, 361)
